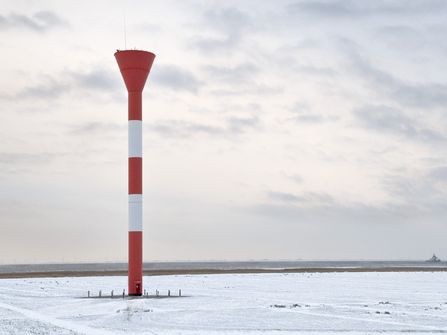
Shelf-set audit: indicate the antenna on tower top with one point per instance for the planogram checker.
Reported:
(125, 37)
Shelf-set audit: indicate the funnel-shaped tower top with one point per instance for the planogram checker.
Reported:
(134, 66)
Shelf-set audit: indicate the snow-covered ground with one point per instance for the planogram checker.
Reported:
(231, 304)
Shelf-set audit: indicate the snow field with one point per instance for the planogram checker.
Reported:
(231, 304)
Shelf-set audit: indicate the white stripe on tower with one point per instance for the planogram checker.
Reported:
(135, 212)
(135, 200)
(135, 138)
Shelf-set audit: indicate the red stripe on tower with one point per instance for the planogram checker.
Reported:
(135, 175)
(135, 106)
(135, 66)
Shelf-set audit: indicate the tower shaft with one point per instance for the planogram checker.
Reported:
(135, 66)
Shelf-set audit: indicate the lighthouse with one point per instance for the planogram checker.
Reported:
(135, 66)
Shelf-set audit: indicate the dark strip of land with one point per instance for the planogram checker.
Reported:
(173, 272)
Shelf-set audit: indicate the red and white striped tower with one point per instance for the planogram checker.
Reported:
(135, 66)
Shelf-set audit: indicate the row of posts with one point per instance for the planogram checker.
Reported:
(145, 294)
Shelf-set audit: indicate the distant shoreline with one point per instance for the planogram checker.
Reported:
(174, 272)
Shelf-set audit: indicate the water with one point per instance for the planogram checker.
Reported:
(221, 265)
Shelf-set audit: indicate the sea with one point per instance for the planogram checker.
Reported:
(215, 265)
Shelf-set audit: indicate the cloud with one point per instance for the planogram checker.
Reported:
(308, 198)
(309, 118)
(175, 78)
(387, 119)
(427, 95)
(22, 162)
(238, 125)
(439, 173)
(253, 89)
(184, 129)
(96, 79)
(52, 87)
(423, 190)
(295, 178)
(25, 158)
(174, 128)
(352, 9)
(48, 88)
(321, 208)
(88, 128)
(283, 197)
(315, 70)
(40, 22)
(236, 75)
(339, 215)
(303, 113)
(229, 24)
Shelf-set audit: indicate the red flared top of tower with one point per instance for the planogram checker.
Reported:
(135, 66)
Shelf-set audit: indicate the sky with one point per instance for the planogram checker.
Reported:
(272, 130)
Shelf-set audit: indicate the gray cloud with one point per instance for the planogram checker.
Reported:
(390, 120)
(416, 200)
(238, 125)
(340, 215)
(25, 158)
(303, 113)
(236, 75)
(51, 87)
(283, 197)
(439, 174)
(97, 79)
(308, 198)
(42, 21)
(229, 23)
(410, 39)
(231, 126)
(48, 88)
(309, 118)
(352, 9)
(174, 128)
(89, 128)
(315, 70)
(211, 44)
(427, 95)
(295, 178)
(175, 78)
(419, 41)
(421, 190)
(254, 89)
(22, 162)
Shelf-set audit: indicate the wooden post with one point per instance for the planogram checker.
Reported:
(88, 294)
(179, 293)
(124, 292)
(100, 293)
(111, 294)
(169, 293)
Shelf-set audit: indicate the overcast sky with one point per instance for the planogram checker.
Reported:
(272, 130)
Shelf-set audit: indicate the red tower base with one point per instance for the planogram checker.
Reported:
(135, 262)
